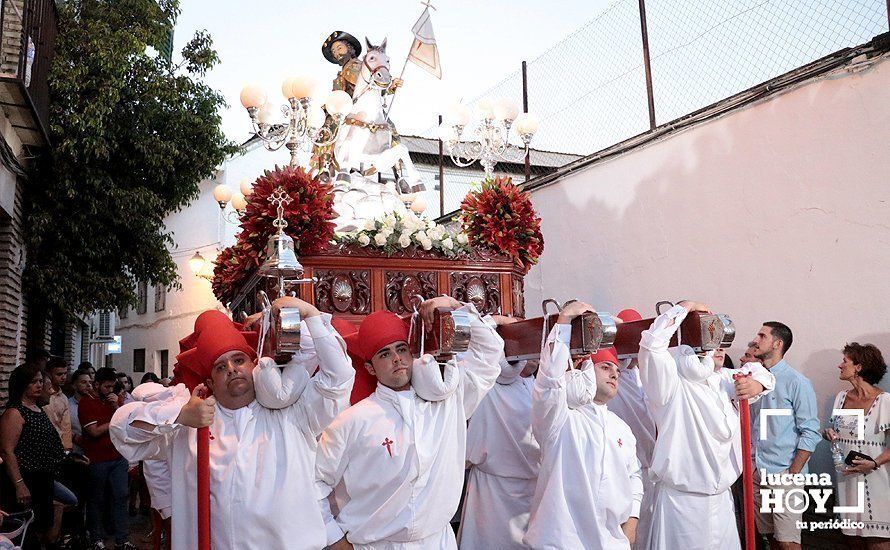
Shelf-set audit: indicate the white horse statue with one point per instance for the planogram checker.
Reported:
(366, 138)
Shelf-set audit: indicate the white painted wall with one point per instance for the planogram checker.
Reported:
(778, 211)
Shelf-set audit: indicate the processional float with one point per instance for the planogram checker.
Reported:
(355, 150)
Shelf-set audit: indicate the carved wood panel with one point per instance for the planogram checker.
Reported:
(343, 291)
(518, 296)
(401, 287)
(482, 289)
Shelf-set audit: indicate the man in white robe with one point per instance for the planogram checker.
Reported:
(589, 487)
(697, 456)
(395, 460)
(261, 460)
(503, 458)
(632, 406)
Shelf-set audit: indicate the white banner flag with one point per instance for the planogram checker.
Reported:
(424, 52)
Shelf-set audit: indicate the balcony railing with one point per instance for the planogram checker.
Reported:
(27, 43)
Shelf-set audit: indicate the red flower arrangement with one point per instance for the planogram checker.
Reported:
(500, 216)
(308, 216)
(309, 224)
(233, 267)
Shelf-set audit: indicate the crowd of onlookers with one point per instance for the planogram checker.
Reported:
(63, 477)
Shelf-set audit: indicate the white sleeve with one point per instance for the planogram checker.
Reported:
(758, 372)
(550, 408)
(136, 444)
(433, 381)
(658, 370)
(334, 531)
(327, 393)
(636, 476)
(480, 365)
(330, 464)
(279, 387)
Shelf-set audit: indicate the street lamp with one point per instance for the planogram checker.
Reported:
(305, 124)
(222, 195)
(196, 263)
(488, 139)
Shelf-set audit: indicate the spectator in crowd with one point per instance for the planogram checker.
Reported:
(87, 366)
(47, 392)
(108, 470)
(31, 448)
(124, 387)
(863, 367)
(82, 384)
(39, 358)
(58, 408)
(150, 377)
(789, 440)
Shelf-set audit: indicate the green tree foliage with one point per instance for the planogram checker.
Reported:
(131, 137)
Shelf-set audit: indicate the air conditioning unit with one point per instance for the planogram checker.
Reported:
(105, 330)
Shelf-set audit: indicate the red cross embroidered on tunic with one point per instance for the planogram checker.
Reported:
(388, 444)
(619, 441)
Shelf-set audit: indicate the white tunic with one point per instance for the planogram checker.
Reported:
(589, 483)
(698, 457)
(261, 461)
(632, 406)
(396, 461)
(503, 457)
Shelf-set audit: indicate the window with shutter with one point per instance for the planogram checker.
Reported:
(142, 295)
(160, 298)
(139, 360)
(163, 360)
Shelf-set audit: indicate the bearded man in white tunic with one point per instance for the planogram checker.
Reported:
(503, 456)
(697, 456)
(589, 487)
(395, 460)
(261, 460)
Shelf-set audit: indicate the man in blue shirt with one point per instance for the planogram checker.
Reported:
(790, 438)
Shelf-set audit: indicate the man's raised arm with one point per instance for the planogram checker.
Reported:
(658, 369)
(327, 393)
(480, 365)
(550, 408)
(140, 430)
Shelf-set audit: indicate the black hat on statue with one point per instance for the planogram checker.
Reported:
(339, 35)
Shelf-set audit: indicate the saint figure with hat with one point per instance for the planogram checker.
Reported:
(264, 421)
(343, 49)
(397, 456)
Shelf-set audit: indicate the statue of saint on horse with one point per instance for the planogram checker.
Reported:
(368, 141)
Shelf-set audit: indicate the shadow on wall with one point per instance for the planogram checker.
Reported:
(766, 212)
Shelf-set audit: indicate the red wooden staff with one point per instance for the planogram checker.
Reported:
(203, 488)
(747, 470)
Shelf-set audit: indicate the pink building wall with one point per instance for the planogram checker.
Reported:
(777, 211)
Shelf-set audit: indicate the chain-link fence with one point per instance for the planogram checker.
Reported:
(590, 91)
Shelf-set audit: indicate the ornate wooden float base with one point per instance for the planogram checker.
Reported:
(355, 281)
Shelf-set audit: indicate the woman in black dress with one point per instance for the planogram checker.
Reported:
(30, 446)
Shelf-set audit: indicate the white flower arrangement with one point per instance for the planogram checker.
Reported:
(394, 232)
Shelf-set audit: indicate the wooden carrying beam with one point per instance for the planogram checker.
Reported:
(590, 332)
(449, 334)
(700, 331)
